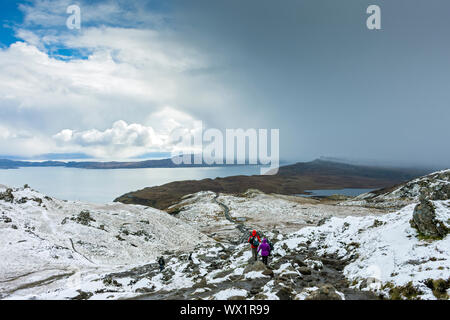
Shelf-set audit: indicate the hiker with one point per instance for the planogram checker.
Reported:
(264, 247)
(271, 246)
(254, 241)
(162, 263)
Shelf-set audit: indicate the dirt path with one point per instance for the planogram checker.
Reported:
(242, 228)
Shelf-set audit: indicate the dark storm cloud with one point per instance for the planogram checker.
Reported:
(333, 87)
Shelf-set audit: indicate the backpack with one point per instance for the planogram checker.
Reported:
(255, 241)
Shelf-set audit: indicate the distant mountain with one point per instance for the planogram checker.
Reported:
(48, 156)
(156, 163)
(291, 179)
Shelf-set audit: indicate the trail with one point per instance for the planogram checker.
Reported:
(242, 228)
(75, 250)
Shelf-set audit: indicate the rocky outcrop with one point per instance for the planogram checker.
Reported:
(325, 292)
(257, 266)
(7, 196)
(435, 186)
(424, 220)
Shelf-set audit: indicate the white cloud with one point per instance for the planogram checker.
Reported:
(126, 72)
(125, 140)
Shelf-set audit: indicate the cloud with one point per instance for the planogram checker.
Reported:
(125, 140)
(124, 13)
(308, 68)
(121, 133)
(111, 72)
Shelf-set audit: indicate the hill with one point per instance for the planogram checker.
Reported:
(291, 179)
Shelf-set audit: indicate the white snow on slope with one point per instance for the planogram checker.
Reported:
(288, 214)
(384, 248)
(42, 241)
(435, 185)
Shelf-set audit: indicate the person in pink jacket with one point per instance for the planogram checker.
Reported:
(264, 247)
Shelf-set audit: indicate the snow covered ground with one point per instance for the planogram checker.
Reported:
(202, 212)
(260, 211)
(55, 249)
(385, 251)
(58, 242)
(435, 186)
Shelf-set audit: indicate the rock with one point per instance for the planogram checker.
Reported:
(325, 292)
(202, 284)
(424, 220)
(287, 276)
(439, 287)
(268, 272)
(235, 277)
(222, 274)
(285, 293)
(314, 264)
(298, 260)
(7, 196)
(257, 266)
(255, 290)
(109, 281)
(260, 296)
(167, 274)
(308, 279)
(367, 282)
(82, 295)
(304, 270)
(5, 219)
(237, 298)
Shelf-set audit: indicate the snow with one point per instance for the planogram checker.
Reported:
(433, 185)
(284, 213)
(227, 293)
(43, 242)
(50, 251)
(387, 252)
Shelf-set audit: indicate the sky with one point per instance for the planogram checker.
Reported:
(137, 70)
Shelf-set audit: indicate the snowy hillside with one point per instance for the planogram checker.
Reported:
(260, 210)
(53, 249)
(435, 186)
(51, 241)
(385, 254)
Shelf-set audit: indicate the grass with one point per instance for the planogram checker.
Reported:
(407, 291)
(439, 288)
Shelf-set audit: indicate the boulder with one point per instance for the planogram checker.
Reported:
(298, 260)
(268, 272)
(424, 220)
(257, 266)
(325, 292)
(304, 270)
(201, 284)
(7, 196)
(285, 293)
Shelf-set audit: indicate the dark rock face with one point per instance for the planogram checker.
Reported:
(285, 293)
(424, 220)
(7, 196)
(257, 266)
(268, 272)
(325, 292)
(304, 270)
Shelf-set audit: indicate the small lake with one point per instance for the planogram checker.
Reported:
(103, 186)
(353, 192)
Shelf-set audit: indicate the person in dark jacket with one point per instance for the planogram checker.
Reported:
(254, 241)
(264, 247)
(161, 263)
